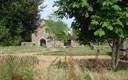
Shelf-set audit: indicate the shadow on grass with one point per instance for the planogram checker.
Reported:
(93, 64)
(122, 66)
(109, 53)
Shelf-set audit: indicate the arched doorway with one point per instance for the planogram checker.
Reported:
(68, 43)
(42, 42)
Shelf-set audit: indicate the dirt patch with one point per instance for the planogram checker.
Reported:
(16, 78)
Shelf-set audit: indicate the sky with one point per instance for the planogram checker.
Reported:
(49, 9)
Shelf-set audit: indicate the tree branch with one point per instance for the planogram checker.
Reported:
(121, 42)
(109, 44)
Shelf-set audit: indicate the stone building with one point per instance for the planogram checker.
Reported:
(124, 47)
(40, 38)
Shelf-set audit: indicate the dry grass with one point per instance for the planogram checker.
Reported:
(55, 67)
(45, 70)
(16, 68)
(67, 69)
(53, 73)
(21, 49)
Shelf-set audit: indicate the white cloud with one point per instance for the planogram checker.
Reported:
(49, 9)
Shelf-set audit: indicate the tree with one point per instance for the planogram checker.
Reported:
(97, 21)
(4, 36)
(20, 18)
(57, 30)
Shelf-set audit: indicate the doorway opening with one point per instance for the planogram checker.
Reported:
(43, 42)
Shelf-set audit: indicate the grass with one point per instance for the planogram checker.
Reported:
(81, 51)
(11, 68)
(21, 49)
(42, 71)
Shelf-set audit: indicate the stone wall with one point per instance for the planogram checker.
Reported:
(74, 44)
(27, 44)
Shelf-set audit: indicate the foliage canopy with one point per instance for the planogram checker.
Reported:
(97, 21)
(18, 19)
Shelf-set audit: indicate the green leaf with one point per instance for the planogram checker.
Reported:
(100, 32)
(118, 22)
(77, 6)
(116, 7)
(91, 27)
(90, 9)
(95, 17)
(94, 22)
(116, 30)
(86, 15)
(105, 24)
(74, 5)
(127, 23)
(126, 14)
(85, 3)
(121, 35)
(107, 3)
(110, 27)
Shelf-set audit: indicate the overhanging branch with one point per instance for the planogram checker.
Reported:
(110, 44)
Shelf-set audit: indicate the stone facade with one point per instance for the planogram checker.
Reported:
(124, 46)
(40, 38)
(26, 44)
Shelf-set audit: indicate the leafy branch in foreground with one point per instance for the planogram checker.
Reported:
(98, 21)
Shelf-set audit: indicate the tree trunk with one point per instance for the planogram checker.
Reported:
(114, 57)
(115, 52)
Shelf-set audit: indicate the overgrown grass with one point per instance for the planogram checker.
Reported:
(55, 73)
(12, 69)
(21, 49)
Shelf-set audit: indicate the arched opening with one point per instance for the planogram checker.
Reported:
(42, 42)
(68, 43)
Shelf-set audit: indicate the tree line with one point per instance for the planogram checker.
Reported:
(18, 19)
